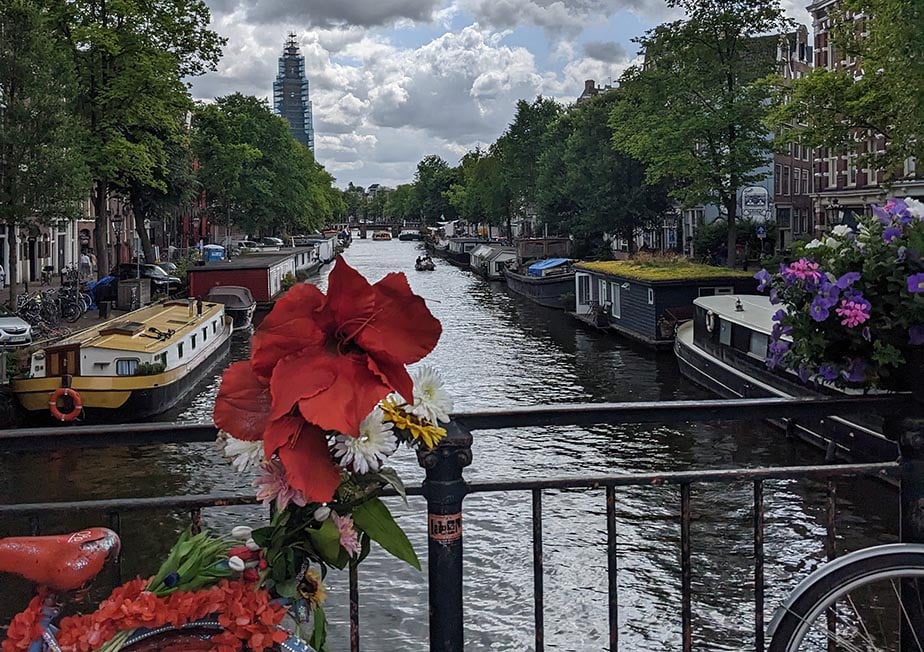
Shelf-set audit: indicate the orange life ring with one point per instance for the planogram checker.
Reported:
(56, 411)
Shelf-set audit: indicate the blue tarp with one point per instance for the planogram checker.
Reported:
(536, 269)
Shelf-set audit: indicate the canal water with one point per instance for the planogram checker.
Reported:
(498, 350)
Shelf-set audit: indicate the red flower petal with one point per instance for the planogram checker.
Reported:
(297, 321)
(297, 377)
(281, 433)
(243, 404)
(394, 374)
(350, 299)
(402, 326)
(309, 466)
(349, 399)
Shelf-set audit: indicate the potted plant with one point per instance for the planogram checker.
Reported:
(852, 305)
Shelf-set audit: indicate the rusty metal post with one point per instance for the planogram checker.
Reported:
(444, 488)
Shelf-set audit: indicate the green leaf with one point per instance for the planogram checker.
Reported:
(326, 540)
(263, 536)
(390, 476)
(373, 518)
(318, 639)
(287, 588)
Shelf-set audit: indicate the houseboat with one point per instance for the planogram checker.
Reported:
(547, 282)
(408, 235)
(646, 298)
(238, 302)
(126, 369)
(490, 260)
(261, 274)
(381, 235)
(724, 348)
(459, 250)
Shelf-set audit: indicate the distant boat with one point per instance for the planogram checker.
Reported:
(238, 301)
(409, 235)
(381, 235)
(129, 368)
(425, 265)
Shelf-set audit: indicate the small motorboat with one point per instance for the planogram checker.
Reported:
(424, 265)
(238, 302)
(381, 235)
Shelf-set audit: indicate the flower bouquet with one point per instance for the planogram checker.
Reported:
(852, 306)
(323, 402)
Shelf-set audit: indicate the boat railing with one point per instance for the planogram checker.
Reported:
(444, 488)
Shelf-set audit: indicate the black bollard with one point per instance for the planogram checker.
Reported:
(444, 488)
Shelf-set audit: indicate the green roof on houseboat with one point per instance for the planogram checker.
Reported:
(661, 270)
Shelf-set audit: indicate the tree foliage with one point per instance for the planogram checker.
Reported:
(255, 174)
(43, 177)
(695, 112)
(834, 108)
(523, 144)
(432, 182)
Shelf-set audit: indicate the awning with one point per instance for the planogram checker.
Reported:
(537, 268)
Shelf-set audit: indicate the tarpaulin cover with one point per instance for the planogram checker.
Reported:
(537, 268)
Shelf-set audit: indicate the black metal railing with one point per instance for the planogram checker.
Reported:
(445, 488)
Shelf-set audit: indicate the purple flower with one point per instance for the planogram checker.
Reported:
(896, 206)
(763, 277)
(916, 335)
(778, 315)
(820, 308)
(855, 371)
(891, 233)
(885, 218)
(847, 280)
(774, 296)
(916, 283)
(828, 372)
(777, 350)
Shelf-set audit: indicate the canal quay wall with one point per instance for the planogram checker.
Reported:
(500, 350)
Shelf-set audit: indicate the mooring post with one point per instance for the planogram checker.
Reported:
(444, 488)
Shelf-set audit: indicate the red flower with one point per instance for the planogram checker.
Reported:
(321, 364)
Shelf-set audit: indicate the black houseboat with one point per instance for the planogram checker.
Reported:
(543, 272)
(724, 349)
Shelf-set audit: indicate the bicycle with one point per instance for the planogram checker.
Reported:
(868, 600)
(64, 565)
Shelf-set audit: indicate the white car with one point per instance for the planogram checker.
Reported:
(272, 242)
(246, 245)
(14, 331)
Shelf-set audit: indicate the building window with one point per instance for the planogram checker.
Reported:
(796, 180)
(805, 181)
(126, 366)
(601, 287)
(851, 169)
(583, 287)
(614, 298)
(784, 217)
(777, 178)
(650, 296)
(786, 180)
(832, 172)
(910, 166)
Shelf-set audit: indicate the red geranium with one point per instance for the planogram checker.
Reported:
(321, 363)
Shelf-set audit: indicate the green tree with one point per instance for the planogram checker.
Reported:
(131, 57)
(432, 181)
(43, 177)
(522, 144)
(402, 203)
(836, 109)
(695, 113)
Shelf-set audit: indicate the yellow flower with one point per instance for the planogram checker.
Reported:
(428, 434)
(311, 588)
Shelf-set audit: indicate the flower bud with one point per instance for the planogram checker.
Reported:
(236, 564)
(322, 513)
(241, 532)
(252, 545)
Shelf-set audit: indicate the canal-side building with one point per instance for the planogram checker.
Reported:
(291, 99)
(646, 300)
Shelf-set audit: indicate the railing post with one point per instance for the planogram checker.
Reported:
(444, 488)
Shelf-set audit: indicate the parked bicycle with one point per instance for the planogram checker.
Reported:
(64, 565)
(869, 600)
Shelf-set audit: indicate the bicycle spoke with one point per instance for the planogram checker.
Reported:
(901, 603)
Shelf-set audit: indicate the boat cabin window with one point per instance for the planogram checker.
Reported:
(126, 366)
(214, 327)
(583, 284)
(759, 344)
(601, 285)
(204, 335)
(615, 309)
(179, 350)
(193, 340)
(725, 332)
(713, 291)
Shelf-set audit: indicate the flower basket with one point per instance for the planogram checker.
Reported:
(852, 306)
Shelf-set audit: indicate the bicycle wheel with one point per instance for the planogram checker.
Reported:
(869, 600)
(70, 311)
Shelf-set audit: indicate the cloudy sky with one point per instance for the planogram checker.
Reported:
(392, 81)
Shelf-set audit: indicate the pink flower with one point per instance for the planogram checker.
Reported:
(272, 485)
(853, 313)
(348, 538)
(803, 270)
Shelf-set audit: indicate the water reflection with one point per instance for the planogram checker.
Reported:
(499, 350)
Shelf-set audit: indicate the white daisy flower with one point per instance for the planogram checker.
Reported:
(243, 454)
(431, 400)
(375, 443)
(832, 243)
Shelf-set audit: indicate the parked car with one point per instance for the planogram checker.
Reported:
(170, 268)
(14, 331)
(245, 245)
(161, 282)
(271, 242)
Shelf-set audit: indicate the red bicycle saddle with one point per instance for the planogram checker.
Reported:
(61, 562)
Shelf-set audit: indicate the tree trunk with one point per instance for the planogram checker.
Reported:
(101, 229)
(143, 234)
(731, 205)
(13, 272)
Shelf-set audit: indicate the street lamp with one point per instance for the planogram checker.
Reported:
(117, 228)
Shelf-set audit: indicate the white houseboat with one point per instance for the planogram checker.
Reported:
(128, 368)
